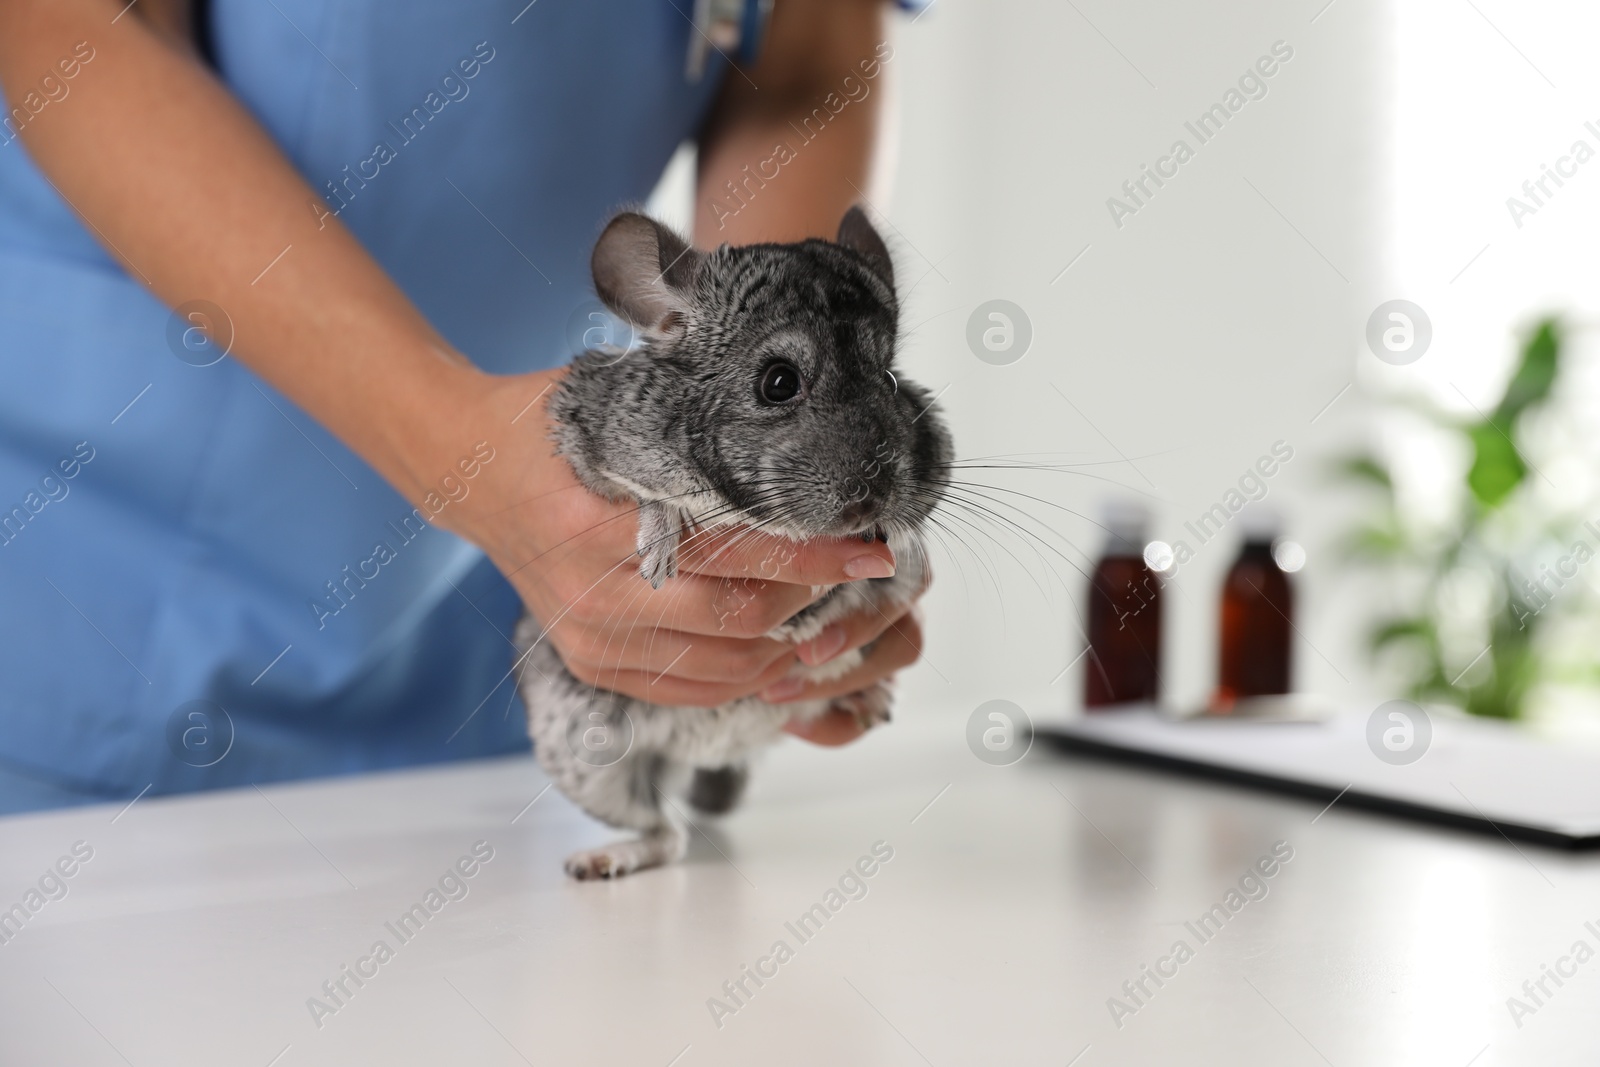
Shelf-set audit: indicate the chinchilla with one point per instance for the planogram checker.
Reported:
(762, 393)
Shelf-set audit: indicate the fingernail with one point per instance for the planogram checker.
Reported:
(869, 567)
(784, 689)
(823, 647)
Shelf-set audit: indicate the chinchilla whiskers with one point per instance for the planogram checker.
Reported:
(768, 489)
(975, 498)
(984, 514)
(975, 511)
(751, 529)
(969, 543)
(995, 462)
(959, 513)
(627, 513)
(981, 491)
(621, 610)
(642, 590)
(697, 530)
(792, 475)
(774, 523)
(976, 540)
(1052, 468)
(545, 626)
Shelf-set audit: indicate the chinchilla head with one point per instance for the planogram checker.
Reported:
(763, 389)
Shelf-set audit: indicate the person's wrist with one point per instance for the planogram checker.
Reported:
(463, 445)
(433, 418)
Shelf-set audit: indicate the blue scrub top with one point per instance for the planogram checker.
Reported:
(204, 513)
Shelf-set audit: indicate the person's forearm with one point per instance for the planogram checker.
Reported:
(793, 142)
(191, 195)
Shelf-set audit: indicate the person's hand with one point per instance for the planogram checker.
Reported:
(700, 639)
(899, 646)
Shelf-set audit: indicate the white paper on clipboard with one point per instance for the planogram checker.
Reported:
(1473, 771)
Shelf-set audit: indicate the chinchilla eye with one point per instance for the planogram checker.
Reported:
(780, 383)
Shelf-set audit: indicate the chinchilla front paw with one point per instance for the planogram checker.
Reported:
(660, 529)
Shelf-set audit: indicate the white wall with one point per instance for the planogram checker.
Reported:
(1219, 319)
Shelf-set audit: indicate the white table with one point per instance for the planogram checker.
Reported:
(1018, 900)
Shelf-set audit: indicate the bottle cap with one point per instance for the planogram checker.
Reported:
(1126, 522)
(1260, 524)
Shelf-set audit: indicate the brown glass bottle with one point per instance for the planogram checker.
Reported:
(1257, 606)
(1124, 660)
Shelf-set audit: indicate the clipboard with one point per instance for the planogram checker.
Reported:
(1482, 775)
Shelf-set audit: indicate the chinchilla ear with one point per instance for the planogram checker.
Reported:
(857, 234)
(643, 272)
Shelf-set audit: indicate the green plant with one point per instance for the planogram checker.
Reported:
(1468, 581)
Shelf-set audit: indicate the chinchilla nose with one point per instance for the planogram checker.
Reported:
(859, 513)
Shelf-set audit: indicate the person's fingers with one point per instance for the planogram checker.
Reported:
(691, 657)
(667, 689)
(899, 647)
(691, 603)
(851, 633)
(831, 728)
(738, 552)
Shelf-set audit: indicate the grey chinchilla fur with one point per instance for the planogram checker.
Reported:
(686, 426)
